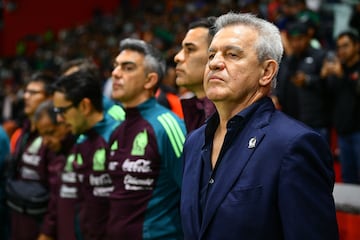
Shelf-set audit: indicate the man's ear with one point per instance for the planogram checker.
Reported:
(151, 80)
(270, 68)
(85, 106)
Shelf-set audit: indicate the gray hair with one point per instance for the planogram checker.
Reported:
(154, 61)
(46, 107)
(269, 43)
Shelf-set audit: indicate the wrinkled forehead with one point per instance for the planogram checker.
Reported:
(234, 35)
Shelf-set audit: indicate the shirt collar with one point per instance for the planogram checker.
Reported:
(235, 121)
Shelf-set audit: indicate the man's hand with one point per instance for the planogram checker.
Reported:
(299, 79)
(44, 237)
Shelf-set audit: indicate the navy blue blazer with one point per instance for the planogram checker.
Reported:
(277, 187)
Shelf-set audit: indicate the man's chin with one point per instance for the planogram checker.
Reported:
(28, 112)
(74, 131)
(180, 82)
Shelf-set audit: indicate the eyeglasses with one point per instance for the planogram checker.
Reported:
(62, 110)
(33, 92)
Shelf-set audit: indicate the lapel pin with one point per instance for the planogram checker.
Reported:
(252, 142)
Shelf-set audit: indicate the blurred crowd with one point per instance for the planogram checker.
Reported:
(162, 24)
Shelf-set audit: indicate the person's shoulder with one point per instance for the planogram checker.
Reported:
(3, 134)
(116, 112)
(286, 126)
(196, 136)
(158, 111)
(108, 127)
(164, 120)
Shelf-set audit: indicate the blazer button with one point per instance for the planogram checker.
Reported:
(211, 181)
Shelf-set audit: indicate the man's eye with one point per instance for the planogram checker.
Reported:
(189, 49)
(211, 56)
(232, 55)
(128, 68)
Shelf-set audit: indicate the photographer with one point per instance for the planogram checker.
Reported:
(342, 74)
(301, 92)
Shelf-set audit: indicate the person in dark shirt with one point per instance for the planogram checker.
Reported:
(145, 150)
(301, 92)
(190, 65)
(78, 103)
(58, 139)
(33, 162)
(342, 74)
(252, 172)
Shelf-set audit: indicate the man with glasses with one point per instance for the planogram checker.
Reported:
(81, 108)
(88, 65)
(30, 155)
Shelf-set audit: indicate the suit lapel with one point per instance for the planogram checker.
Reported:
(196, 189)
(234, 161)
(192, 185)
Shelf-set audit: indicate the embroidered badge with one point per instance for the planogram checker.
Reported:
(252, 142)
(114, 146)
(69, 161)
(139, 144)
(79, 159)
(99, 160)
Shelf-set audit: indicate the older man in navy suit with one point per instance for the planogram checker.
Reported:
(252, 172)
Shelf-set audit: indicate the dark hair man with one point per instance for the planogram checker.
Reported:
(81, 108)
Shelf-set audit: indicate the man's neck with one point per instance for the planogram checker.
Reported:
(94, 118)
(200, 93)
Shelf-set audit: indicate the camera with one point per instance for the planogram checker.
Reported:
(331, 56)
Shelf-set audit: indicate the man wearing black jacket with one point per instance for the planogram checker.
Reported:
(343, 77)
(301, 92)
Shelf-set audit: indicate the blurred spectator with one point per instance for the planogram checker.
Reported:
(297, 11)
(4, 151)
(31, 156)
(167, 92)
(300, 92)
(342, 73)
